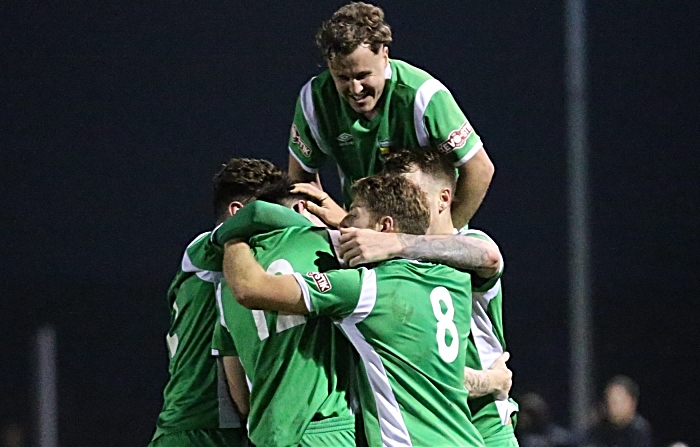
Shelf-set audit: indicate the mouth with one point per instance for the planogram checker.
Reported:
(359, 99)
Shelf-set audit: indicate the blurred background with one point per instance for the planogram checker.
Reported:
(114, 116)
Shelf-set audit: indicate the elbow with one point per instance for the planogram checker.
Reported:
(488, 170)
(491, 263)
(244, 292)
(493, 260)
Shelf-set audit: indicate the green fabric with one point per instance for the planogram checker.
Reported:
(332, 432)
(255, 218)
(300, 369)
(409, 322)
(415, 110)
(487, 343)
(504, 438)
(191, 398)
(231, 437)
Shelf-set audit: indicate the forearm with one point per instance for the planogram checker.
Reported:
(237, 385)
(298, 174)
(461, 252)
(477, 382)
(473, 182)
(254, 288)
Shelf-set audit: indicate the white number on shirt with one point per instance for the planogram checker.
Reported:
(284, 322)
(445, 324)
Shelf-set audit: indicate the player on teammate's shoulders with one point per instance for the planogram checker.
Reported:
(197, 409)
(366, 105)
(300, 370)
(408, 320)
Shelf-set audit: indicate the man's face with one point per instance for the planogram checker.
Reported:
(358, 217)
(620, 405)
(359, 78)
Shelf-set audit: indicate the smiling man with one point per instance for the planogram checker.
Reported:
(365, 104)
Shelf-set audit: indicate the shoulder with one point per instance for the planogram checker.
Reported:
(320, 84)
(409, 75)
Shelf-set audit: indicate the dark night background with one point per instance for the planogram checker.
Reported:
(114, 117)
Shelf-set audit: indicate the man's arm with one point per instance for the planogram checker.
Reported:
(298, 174)
(256, 289)
(496, 380)
(361, 246)
(474, 179)
(237, 385)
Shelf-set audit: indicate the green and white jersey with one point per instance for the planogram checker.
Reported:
(196, 395)
(409, 321)
(487, 343)
(300, 369)
(416, 110)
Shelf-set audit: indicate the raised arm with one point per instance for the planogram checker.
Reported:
(298, 174)
(361, 246)
(474, 179)
(256, 289)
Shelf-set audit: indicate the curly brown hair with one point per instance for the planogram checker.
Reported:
(242, 179)
(353, 25)
(395, 196)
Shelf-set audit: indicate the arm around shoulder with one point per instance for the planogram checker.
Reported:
(254, 288)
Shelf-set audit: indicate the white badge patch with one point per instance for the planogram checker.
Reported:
(457, 138)
(296, 138)
(321, 280)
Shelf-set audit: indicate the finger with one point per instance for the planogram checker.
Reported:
(347, 234)
(315, 209)
(351, 254)
(312, 191)
(505, 356)
(354, 262)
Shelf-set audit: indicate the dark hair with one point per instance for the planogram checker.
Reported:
(280, 193)
(242, 179)
(430, 161)
(627, 383)
(395, 196)
(350, 26)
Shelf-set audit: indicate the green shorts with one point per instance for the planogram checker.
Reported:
(224, 437)
(504, 438)
(333, 432)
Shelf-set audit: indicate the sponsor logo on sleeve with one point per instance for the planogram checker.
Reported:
(345, 139)
(296, 138)
(457, 138)
(321, 280)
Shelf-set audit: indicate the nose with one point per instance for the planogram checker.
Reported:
(356, 86)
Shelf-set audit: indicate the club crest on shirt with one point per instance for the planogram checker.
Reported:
(457, 138)
(345, 139)
(321, 280)
(296, 138)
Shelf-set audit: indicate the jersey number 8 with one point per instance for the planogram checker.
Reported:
(445, 324)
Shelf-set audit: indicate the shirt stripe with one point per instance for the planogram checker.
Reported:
(307, 107)
(391, 424)
(423, 96)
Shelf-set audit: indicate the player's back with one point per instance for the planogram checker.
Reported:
(299, 368)
(192, 398)
(417, 328)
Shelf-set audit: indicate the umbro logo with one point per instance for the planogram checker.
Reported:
(345, 139)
